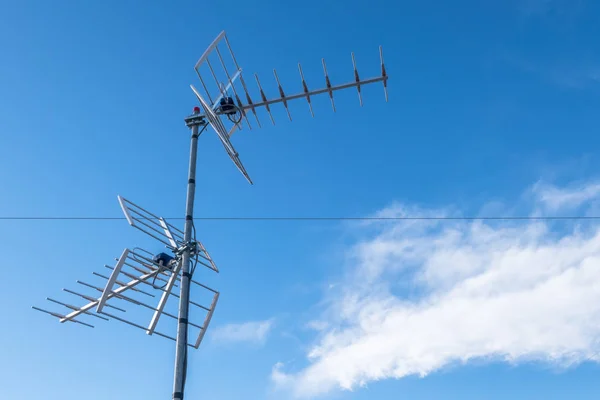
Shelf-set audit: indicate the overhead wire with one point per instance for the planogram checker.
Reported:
(290, 218)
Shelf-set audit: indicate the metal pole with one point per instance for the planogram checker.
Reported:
(182, 327)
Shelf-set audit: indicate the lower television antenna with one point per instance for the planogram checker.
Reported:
(139, 274)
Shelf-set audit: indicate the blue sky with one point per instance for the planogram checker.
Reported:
(493, 111)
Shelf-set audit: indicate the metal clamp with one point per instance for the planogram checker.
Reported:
(192, 246)
(195, 120)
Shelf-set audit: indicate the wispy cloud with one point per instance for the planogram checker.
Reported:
(566, 198)
(568, 64)
(548, 8)
(573, 72)
(423, 296)
(249, 332)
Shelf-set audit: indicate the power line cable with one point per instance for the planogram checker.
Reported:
(406, 218)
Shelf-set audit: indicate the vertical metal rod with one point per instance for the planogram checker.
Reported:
(233, 87)
(282, 94)
(182, 326)
(357, 79)
(264, 98)
(305, 88)
(248, 99)
(328, 83)
(205, 88)
(212, 71)
(383, 73)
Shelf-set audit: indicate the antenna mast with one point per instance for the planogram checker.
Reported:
(195, 122)
(138, 268)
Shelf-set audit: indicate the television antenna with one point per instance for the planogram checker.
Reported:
(225, 111)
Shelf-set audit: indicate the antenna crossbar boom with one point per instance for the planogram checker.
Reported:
(94, 303)
(315, 92)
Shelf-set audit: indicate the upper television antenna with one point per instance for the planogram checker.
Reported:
(159, 274)
(235, 103)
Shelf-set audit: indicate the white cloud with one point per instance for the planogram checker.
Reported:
(421, 296)
(251, 332)
(554, 198)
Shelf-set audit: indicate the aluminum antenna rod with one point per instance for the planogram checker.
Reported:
(235, 106)
(309, 93)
